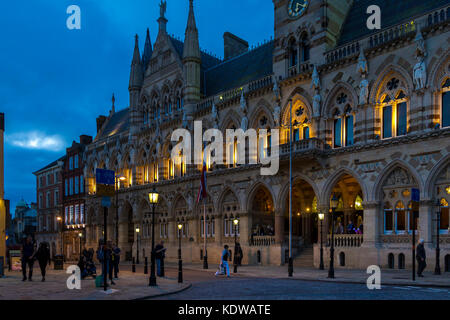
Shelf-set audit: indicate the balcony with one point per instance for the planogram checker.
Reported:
(346, 240)
(306, 146)
(262, 241)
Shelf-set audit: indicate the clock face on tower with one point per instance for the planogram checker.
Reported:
(297, 8)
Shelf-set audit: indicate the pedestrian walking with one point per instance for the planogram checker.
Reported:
(28, 250)
(421, 258)
(224, 260)
(160, 254)
(43, 257)
(116, 260)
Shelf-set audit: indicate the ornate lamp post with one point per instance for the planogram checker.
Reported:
(321, 217)
(137, 244)
(59, 219)
(235, 222)
(153, 199)
(118, 179)
(80, 235)
(437, 269)
(334, 204)
(180, 262)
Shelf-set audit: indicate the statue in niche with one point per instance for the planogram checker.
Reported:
(277, 115)
(363, 91)
(420, 73)
(315, 79)
(317, 100)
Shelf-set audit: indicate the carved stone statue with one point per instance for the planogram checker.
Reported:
(215, 116)
(420, 74)
(162, 8)
(276, 90)
(158, 146)
(363, 91)
(243, 103)
(362, 67)
(277, 115)
(244, 123)
(317, 100)
(315, 79)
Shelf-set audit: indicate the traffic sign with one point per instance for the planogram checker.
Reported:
(106, 202)
(105, 190)
(105, 177)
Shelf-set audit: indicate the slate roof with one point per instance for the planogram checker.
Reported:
(237, 71)
(393, 12)
(54, 163)
(207, 60)
(118, 123)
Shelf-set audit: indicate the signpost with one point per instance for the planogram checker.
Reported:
(105, 180)
(415, 199)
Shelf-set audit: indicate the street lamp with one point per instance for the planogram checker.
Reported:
(118, 179)
(334, 204)
(437, 269)
(235, 222)
(137, 244)
(59, 219)
(180, 262)
(321, 217)
(153, 199)
(80, 235)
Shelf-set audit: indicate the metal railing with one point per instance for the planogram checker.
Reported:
(346, 240)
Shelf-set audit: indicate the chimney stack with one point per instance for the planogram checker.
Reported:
(233, 45)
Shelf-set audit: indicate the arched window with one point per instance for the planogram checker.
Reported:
(444, 216)
(304, 43)
(388, 219)
(400, 218)
(394, 111)
(445, 101)
(225, 226)
(343, 125)
(293, 53)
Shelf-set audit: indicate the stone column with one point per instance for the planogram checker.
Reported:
(245, 223)
(427, 214)
(123, 240)
(371, 230)
(219, 229)
(172, 235)
(279, 227)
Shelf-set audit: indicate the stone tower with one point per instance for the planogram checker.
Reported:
(191, 63)
(135, 86)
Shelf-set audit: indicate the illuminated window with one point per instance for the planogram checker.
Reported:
(445, 112)
(394, 113)
(358, 203)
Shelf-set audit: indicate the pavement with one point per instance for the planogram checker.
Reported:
(388, 277)
(129, 286)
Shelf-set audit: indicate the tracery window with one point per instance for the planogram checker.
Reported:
(394, 110)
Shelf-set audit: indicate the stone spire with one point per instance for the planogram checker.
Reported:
(136, 74)
(162, 21)
(148, 51)
(191, 60)
(113, 108)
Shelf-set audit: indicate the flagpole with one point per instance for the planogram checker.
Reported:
(291, 266)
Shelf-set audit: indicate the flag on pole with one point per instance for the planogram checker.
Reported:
(202, 193)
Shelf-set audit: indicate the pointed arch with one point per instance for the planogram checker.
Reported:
(231, 118)
(385, 173)
(440, 71)
(295, 180)
(262, 109)
(252, 192)
(333, 180)
(330, 100)
(433, 176)
(384, 77)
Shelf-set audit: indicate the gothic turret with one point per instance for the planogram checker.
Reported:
(191, 62)
(148, 51)
(136, 80)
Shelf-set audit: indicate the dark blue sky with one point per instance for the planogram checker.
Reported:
(54, 82)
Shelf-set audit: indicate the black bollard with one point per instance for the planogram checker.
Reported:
(133, 266)
(146, 266)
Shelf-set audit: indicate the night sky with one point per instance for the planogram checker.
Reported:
(54, 82)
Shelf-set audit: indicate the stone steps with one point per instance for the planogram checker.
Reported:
(305, 258)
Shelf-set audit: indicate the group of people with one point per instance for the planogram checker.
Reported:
(109, 257)
(350, 229)
(262, 230)
(30, 253)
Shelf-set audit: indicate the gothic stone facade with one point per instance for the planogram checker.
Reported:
(370, 118)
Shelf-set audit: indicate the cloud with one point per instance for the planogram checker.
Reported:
(36, 140)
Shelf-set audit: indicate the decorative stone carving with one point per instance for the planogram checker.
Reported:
(215, 116)
(162, 8)
(317, 101)
(276, 90)
(363, 91)
(277, 115)
(315, 79)
(400, 177)
(420, 74)
(244, 122)
(362, 67)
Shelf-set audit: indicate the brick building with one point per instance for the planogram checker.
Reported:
(49, 204)
(73, 197)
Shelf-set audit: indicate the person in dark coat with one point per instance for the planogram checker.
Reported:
(28, 250)
(43, 257)
(421, 258)
(237, 254)
(116, 260)
(159, 257)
